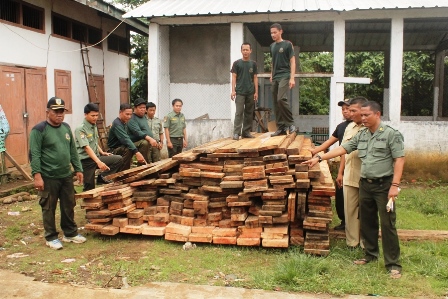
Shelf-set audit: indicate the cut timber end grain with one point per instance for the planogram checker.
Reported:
(303, 184)
(224, 240)
(281, 229)
(254, 175)
(153, 231)
(231, 184)
(248, 241)
(162, 217)
(178, 229)
(251, 169)
(252, 222)
(120, 221)
(195, 197)
(170, 191)
(131, 229)
(200, 238)
(282, 243)
(137, 213)
(274, 157)
(175, 237)
(224, 232)
(110, 230)
(187, 221)
(212, 175)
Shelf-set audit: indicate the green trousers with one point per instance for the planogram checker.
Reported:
(244, 114)
(372, 201)
(154, 153)
(63, 190)
(282, 110)
(178, 145)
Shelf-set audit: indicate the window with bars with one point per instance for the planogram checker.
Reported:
(118, 44)
(22, 14)
(76, 31)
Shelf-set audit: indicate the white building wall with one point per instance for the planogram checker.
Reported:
(193, 95)
(32, 49)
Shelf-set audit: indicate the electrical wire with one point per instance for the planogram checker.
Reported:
(67, 51)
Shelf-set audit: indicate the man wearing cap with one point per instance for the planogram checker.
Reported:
(52, 153)
(139, 130)
(119, 142)
(91, 154)
(381, 151)
(337, 135)
(175, 129)
(349, 175)
(155, 125)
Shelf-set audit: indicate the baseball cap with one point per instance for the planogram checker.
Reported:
(344, 102)
(56, 103)
(139, 101)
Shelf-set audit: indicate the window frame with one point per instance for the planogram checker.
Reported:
(71, 23)
(21, 4)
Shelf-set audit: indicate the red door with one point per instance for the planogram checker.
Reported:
(36, 97)
(23, 98)
(12, 99)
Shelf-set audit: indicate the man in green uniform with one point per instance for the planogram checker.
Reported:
(139, 131)
(283, 69)
(381, 151)
(244, 92)
(119, 142)
(175, 129)
(52, 153)
(91, 154)
(155, 125)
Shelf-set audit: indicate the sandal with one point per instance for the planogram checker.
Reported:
(395, 274)
(363, 261)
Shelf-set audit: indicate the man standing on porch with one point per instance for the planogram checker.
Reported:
(244, 92)
(283, 69)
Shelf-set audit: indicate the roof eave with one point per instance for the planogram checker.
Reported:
(116, 13)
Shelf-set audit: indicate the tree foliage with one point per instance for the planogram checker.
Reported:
(138, 55)
(417, 85)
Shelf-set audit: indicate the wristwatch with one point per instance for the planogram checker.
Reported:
(319, 157)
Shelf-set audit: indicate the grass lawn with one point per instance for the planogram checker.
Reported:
(104, 261)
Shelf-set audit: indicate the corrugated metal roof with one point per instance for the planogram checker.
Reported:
(171, 8)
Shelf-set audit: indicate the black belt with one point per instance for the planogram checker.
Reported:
(378, 180)
(176, 137)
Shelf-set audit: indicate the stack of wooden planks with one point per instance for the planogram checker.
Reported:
(249, 192)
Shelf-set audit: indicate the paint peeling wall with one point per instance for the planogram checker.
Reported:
(28, 48)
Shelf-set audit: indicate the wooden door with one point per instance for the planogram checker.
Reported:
(36, 97)
(63, 87)
(124, 90)
(99, 97)
(12, 99)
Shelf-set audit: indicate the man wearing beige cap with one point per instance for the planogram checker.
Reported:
(337, 135)
(52, 153)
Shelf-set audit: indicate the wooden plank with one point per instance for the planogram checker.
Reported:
(252, 145)
(272, 143)
(295, 146)
(18, 167)
(212, 146)
(285, 144)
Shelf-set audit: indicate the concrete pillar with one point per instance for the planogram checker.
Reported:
(386, 93)
(438, 84)
(236, 40)
(396, 69)
(153, 63)
(337, 88)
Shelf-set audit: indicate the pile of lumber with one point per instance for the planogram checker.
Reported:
(249, 192)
